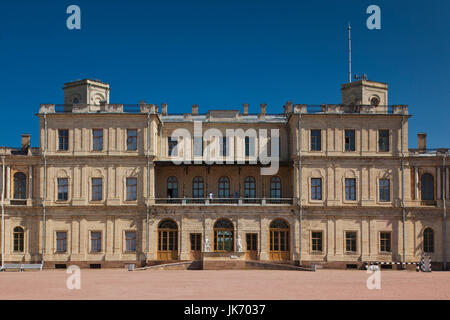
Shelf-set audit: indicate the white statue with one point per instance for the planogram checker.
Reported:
(206, 247)
(239, 244)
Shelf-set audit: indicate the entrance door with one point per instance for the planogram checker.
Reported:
(279, 241)
(168, 240)
(252, 246)
(196, 246)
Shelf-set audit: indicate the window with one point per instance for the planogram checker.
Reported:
(316, 241)
(223, 235)
(249, 187)
(279, 240)
(63, 139)
(96, 241)
(198, 146)
(224, 147)
(97, 139)
(131, 139)
(350, 189)
(385, 190)
(63, 189)
(172, 145)
(385, 241)
(130, 241)
(350, 140)
(224, 187)
(383, 140)
(427, 189)
(316, 188)
(350, 241)
(131, 189)
(61, 241)
(316, 140)
(20, 186)
(275, 187)
(97, 189)
(196, 241)
(249, 146)
(172, 187)
(428, 240)
(18, 239)
(197, 188)
(252, 243)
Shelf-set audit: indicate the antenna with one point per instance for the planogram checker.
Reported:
(349, 53)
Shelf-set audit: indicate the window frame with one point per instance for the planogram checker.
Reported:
(96, 191)
(388, 140)
(66, 192)
(383, 190)
(314, 241)
(314, 187)
(346, 239)
(63, 140)
(132, 140)
(313, 141)
(99, 241)
(97, 140)
(126, 248)
(381, 242)
(20, 240)
(127, 190)
(346, 188)
(349, 143)
(57, 241)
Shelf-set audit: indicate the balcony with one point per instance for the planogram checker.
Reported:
(225, 201)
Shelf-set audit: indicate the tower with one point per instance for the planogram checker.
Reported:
(367, 93)
(93, 92)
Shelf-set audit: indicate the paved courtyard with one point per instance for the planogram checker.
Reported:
(227, 284)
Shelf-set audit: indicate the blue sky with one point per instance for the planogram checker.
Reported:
(223, 53)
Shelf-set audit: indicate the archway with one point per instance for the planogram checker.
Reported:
(223, 236)
(167, 240)
(279, 240)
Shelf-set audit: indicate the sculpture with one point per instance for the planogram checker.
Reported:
(206, 247)
(239, 244)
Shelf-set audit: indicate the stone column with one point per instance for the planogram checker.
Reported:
(416, 183)
(8, 182)
(30, 177)
(438, 192)
(152, 184)
(447, 191)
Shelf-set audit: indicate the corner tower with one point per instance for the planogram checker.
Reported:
(366, 93)
(86, 91)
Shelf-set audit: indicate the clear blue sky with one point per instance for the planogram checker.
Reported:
(223, 53)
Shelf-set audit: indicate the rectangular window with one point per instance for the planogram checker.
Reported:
(130, 241)
(198, 146)
(131, 189)
(61, 241)
(385, 241)
(385, 190)
(63, 189)
(97, 189)
(131, 139)
(196, 241)
(96, 241)
(172, 147)
(63, 139)
(383, 140)
(350, 241)
(350, 140)
(224, 147)
(316, 140)
(252, 244)
(316, 188)
(249, 146)
(316, 241)
(97, 139)
(350, 189)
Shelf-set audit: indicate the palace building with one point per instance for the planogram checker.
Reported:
(104, 188)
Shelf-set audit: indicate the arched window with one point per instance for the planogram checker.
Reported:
(18, 239)
(167, 240)
(428, 240)
(223, 236)
(249, 187)
(224, 187)
(198, 188)
(279, 240)
(20, 186)
(172, 187)
(427, 190)
(275, 187)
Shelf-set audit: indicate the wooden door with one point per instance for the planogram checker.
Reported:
(251, 252)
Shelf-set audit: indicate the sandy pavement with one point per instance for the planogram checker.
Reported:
(223, 285)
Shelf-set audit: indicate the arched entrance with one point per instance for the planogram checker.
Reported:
(279, 240)
(223, 236)
(167, 240)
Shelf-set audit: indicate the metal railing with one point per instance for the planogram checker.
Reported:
(224, 201)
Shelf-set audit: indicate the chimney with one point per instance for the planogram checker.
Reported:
(288, 107)
(195, 109)
(26, 140)
(164, 109)
(422, 142)
(263, 108)
(245, 109)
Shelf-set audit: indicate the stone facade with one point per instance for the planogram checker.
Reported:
(354, 205)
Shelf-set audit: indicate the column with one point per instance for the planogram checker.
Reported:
(438, 193)
(447, 191)
(152, 184)
(8, 182)
(30, 177)
(416, 183)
